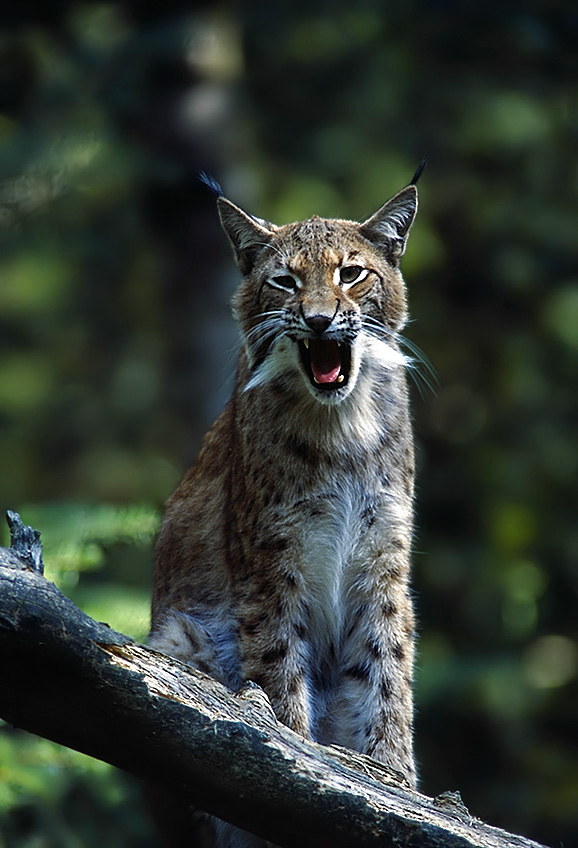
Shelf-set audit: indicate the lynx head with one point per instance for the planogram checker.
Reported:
(321, 300)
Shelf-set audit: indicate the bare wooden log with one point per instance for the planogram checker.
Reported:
(71, 679)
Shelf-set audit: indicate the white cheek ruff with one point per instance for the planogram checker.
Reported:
(280, 361)
(380, 353)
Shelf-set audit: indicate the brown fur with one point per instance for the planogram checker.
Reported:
(283, 557)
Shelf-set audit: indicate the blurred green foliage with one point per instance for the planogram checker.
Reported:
(52, 796)
(100, 556)
(116, 346)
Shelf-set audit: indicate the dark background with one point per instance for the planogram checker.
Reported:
(117, 349)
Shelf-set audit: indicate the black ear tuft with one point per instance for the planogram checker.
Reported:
(211, 183)
(419, 172)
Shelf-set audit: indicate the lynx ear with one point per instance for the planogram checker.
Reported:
(389, 227)
(248, 235)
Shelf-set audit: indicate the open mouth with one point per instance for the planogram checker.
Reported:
(326, 362)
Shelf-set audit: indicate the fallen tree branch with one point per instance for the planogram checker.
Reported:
(68, 678)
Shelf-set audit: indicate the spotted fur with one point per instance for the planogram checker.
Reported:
(283, 557)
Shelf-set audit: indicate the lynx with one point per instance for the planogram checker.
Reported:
(283, 557)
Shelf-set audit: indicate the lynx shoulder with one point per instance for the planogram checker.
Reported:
(284, 554)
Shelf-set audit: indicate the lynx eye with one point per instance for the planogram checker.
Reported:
(350, 274)
(286, 282)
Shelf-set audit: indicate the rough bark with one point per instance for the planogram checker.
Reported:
(78, 682)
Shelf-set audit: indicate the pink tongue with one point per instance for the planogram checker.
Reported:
(325, 360)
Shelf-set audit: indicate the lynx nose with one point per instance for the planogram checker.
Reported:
(318, 323)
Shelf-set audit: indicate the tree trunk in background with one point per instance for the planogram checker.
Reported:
(167, 94)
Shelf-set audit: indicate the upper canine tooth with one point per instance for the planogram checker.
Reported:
(306, 343)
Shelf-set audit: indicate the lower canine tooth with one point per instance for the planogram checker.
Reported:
(341, 378)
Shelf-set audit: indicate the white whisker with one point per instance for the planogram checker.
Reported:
(419, 366)
(382, 353)
(267, 244)
(262, 335)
